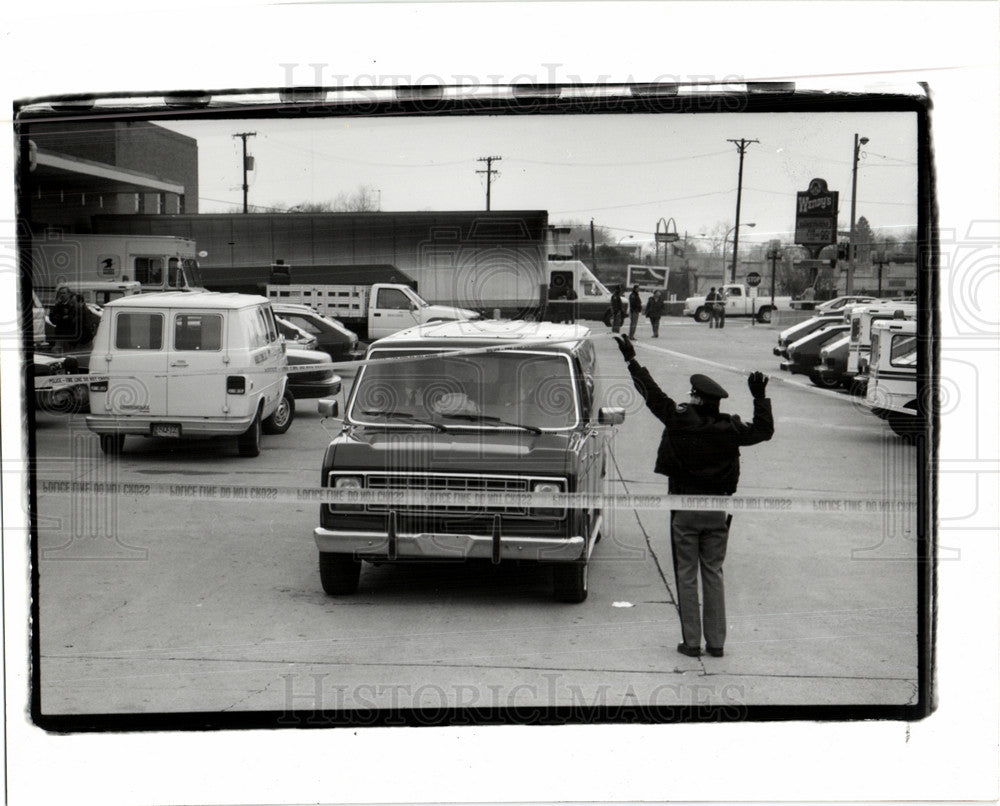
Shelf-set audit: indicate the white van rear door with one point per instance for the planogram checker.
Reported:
(196, 382)
(136, 363)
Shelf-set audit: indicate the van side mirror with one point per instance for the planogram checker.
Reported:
(328, 407)
(611, 415)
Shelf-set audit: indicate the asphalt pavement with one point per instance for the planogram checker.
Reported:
(152, 606)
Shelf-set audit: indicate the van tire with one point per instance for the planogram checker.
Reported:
(339, 573)
(281, 418)
(823, 383)
(112, 444)
(702, 315)
(249, 441)
(570, 581)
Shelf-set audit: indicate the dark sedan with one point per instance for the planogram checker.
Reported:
(332, 337)
(318, 383)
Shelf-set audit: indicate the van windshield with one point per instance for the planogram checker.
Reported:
(477, 390)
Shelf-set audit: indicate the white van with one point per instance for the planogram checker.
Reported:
(178, 365)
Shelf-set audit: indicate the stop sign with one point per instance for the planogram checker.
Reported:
(753, 279)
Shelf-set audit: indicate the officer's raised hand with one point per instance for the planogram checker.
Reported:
(628, 351)
(758, 384)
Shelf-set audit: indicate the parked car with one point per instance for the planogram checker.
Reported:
(179, 365)
(295, 336)
(802, 329)
(332, 337)
(515, 421)
(54, 391)
(311, 385)
(832, 369)
(803, 354)
(837, 304)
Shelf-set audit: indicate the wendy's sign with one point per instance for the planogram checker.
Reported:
(816, 215)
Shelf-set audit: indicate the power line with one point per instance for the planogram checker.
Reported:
(489, 175)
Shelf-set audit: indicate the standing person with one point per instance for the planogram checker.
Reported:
(73, 323)
(720, 308)
(700, 453)
(634, 310)
(710, 299)
(571, 298)
(654, 310)
(617, 310)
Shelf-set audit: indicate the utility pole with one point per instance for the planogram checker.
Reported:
(854, 192)
(243, 136)
(741, 146)
(880, 260)
(489, 175)
(593, 250)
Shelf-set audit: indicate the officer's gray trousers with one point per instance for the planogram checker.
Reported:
(698, 540)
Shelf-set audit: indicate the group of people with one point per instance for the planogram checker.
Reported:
(715, 301)
(653, 311)
(73, 323)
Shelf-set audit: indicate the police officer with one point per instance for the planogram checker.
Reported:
(700, 453)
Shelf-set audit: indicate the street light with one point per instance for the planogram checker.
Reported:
(725, 242)
(854, 192)
(624, 237)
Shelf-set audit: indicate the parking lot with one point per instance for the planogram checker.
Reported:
(154, 605)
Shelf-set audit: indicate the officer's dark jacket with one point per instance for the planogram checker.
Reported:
(701, 452)
(634, 302)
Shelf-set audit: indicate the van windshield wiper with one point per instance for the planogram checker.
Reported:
(403, 415)
(484, 418)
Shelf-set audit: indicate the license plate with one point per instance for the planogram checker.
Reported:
(166, 430)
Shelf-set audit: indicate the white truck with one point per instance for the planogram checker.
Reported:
(371, 311)
(157, 263)
(892, 381)
(593, 298)
(740, 301)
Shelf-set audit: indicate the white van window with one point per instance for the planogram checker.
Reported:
(392, 299)
(272, 326)
(267, 323)
(198, 331)
(175, 277)
(149, 270)
(139, 331)
(256, 329)
(903, 351)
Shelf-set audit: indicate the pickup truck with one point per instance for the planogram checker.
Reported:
(371, 311)
(739, 302)
(504, 409)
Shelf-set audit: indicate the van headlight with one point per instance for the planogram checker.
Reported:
(548, 487)
(346, 483)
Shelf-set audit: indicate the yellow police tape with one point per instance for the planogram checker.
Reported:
(484, 501)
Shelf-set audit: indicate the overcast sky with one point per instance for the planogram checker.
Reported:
(624, 171)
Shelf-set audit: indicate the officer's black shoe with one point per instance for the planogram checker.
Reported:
(690, 651)
(714, 651)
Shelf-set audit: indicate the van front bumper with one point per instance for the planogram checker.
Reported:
(190, 426)
(447, 546)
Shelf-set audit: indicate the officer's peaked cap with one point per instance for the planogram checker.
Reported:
(705, 386)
